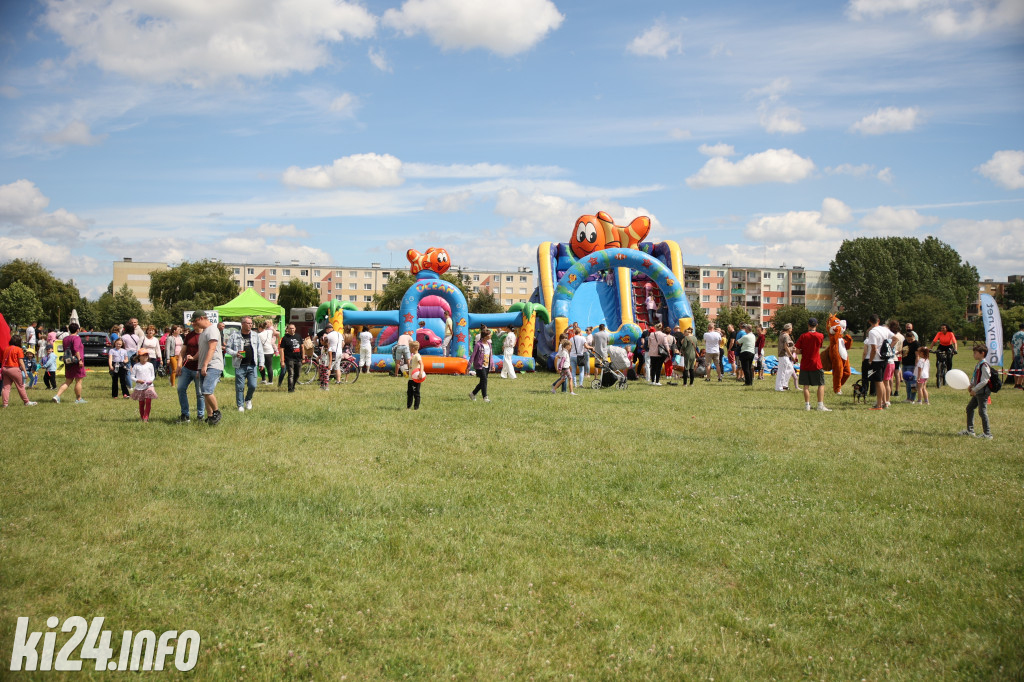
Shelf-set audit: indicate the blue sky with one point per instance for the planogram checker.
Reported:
(342, 132)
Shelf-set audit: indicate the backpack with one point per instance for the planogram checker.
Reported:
(70, 358)
(885, 351)
(995, 382)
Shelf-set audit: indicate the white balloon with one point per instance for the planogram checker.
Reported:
(958, 379)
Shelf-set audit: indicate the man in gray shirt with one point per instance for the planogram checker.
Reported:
(210, 358)
(601, 337)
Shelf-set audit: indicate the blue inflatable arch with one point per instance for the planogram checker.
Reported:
(429, 284)
(609, 259)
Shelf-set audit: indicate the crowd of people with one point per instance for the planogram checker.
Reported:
(137, 358)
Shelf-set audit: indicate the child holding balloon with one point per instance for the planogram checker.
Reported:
(416, 377)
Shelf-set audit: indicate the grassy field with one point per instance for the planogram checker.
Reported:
(707, 532)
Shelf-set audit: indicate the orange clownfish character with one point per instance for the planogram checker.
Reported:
(434, 259)
(593, 233)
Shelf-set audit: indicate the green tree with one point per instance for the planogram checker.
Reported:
(203, 281)
(877, 274)
(1013, 295)
(20, 305)
(926, 312)
(297, 294)
(796, 315)
(736, 316)
(700, 319)
(1012, 319)
(88, 318)
(57, 298)
(484, 302)
(122, 307)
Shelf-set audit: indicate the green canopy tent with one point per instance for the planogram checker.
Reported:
(250, 303)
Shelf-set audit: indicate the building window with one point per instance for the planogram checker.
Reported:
(385, 275)
(707, 311)
(250, 283)
(353, 285)
(720, 285)
(286, 272)
(316, 273)
(522, 278)
(508, 278)
(250, 271)
(476, 290)
(780, 275)
(337, 273)
(508, 301)
(353, 273)
(476, 278)
(367, 275)
(705, 299)
(522, 290)
(705, 285)
(339, 297)
(705, 273)
(273, 296)
(720, 299)
(764, 313)
(303, 273)
(368, 286)
(273, 271)
(238, 271)
(767, 275)
(273, 285)
(368, 299)
(720, 273)
(351, 298)
(316, 284)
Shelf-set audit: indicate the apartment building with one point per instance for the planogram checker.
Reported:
(359, 284)
(761, 291)
(136, 274)
(994, 289)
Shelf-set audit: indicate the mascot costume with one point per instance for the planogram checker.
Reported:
(837, 357)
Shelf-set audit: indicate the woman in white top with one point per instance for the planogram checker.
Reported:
(172, 348)
(269, 349)
(152, 344)
(365, 350)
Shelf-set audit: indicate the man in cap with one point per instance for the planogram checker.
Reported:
(211, 364)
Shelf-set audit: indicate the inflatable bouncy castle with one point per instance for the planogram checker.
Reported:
(604, 275)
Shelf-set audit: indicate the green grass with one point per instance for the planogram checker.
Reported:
(703, 532)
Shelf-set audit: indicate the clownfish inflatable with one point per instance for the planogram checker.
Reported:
(434, 259)
(593, 233)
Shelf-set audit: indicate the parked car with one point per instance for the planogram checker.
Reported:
(96, 347)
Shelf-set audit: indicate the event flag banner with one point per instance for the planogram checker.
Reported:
(212, 314)
(993, 330)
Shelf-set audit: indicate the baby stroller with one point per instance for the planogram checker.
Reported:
(611, 370)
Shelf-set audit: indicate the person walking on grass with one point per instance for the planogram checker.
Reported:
(688, 352)
(268, 348)
(747, 346)
(482, 361)
(980, 393)
(657, 350)
(48, 366)
(365, 350)
(811, 371)
(291, 356)
(578, 364)
(921, 374)
(172, 350)
(117, 364)
(877, 350)
(247, 354)
(508, 348)
(712, 345)
(74, 365)
(144, 375)
(564, 368)
(412, 391)
(190, 374)
(211, 364)
(13, 364)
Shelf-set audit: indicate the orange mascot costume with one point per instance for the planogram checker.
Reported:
(836, 357)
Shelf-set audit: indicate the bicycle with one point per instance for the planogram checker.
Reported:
(309, 371)
(943, 358)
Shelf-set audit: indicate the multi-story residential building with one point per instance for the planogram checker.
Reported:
(995, 289)
(760, 291)
(136, 275)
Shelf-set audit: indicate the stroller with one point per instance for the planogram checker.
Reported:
(611, 370)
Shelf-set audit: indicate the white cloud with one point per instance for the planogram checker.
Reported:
(1004, 169)
(23, 208)
(885, 175)
(657, 41)
(781, 120)
(679, 134)
(345, 104)
(849, 169)
(56, 257)
(889, 220)
(76, 132)
(452, 202)
(962, 19)
(277, 230)
(9, 92)
(358, 170)
(887, 120)
(772, 165)
(835, 212)
(993, 246)
(505, 27)
(379, 60)
(791, 226)
(203, 42)
(719, 149)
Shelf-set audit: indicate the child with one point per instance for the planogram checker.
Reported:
(980, 393)
(482, 362)
(49, 367)
(324, 365)
(144, 374)
(564, 374)
(412, 394)
(117, 364)
(921, 374)
(30, 369)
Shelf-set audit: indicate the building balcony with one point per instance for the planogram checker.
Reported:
(739, 291)
(798, 292)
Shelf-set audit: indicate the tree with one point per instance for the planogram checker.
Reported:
(796, 315)
(484, 302)
(1013, 295)
(876, 274)
(207, 282)
(20, 305)
(297, 294)
(57, 298)
(700, 319)
(1012, 319)
(736, 316)
(122, 307)
(927, 313)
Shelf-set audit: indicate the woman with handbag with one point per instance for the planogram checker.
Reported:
(74, 364)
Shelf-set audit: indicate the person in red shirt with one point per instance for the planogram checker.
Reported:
(811, 372)
(13, 361)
